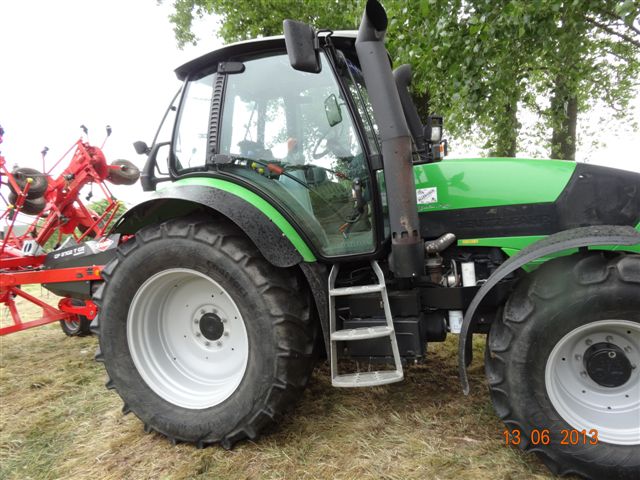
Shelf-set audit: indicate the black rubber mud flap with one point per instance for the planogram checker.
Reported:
(566, 240)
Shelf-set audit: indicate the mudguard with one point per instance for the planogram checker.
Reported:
(267, 228)
(568, 239)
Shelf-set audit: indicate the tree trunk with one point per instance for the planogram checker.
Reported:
(564, 105)
(506, 132)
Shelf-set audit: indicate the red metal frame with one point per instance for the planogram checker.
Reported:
(63, 214)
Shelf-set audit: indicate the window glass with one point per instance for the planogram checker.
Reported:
(352, 77)
(291, 133)
(191, 135)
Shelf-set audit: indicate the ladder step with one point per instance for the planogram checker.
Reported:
(361, 333)
(367, 379)
(336, 292)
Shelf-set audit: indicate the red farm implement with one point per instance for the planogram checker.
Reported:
(41, 208)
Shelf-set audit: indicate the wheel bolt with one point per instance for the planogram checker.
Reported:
(588, 341)
(609, 338)
(198, 334)
(583, 374)
(219, 344)
(196, 321)
(224, 320)
(202, 312)
(578, 357)
(627, 349)
(207, 343)
(226, 334)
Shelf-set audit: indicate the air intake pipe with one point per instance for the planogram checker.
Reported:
(407, 249)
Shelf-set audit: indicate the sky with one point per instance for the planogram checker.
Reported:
(68, 63)
(96, 62)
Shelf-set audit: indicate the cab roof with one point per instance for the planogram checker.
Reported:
(342, 39)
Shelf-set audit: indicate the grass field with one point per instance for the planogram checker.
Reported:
(58, 421)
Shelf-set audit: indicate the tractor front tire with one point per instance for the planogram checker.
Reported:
(562, 365)
(204, 340)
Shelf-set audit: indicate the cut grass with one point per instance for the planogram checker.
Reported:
(57, 421)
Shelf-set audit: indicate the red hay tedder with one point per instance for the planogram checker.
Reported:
(40, 207)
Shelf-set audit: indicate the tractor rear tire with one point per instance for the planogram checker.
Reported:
(562, 365)
(204, 340)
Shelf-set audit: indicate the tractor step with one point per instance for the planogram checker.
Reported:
(336, 292)
(361, 333)
(362, 379)
(367, 379)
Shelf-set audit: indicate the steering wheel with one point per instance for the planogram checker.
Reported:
(333, 144)
(324, 138)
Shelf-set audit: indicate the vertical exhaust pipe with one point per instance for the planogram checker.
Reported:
(406, 245)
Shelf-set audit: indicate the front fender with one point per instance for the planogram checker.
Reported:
(568, 239)
(269, 230)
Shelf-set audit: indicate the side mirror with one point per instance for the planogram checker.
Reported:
(148, 179)
(141, 148)
(332, 110)
(302, 46)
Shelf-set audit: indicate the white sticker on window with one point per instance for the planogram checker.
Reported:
(427, 195)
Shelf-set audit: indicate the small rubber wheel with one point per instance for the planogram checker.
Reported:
(39, 182)
(76, 328)
(126, 173)
(204, 340)
(31, 206)
(563, 365)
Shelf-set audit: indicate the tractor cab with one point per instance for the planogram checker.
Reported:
(307, 140)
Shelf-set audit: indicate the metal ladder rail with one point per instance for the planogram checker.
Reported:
(362, 379)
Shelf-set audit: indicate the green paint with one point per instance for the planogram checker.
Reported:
(487, 182)
(512, 245)
(261, 204)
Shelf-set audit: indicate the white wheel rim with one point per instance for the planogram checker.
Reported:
(582, 402)
(183, 362)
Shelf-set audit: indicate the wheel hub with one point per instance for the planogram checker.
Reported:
(593, 380)
(607, 365)
(211, 326)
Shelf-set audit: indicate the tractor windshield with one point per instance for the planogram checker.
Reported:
(291, 134)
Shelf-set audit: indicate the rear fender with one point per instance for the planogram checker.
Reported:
(568, 239)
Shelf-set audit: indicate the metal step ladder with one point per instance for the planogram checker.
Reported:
(362, 379)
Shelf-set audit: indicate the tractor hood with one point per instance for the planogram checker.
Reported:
(494, 197)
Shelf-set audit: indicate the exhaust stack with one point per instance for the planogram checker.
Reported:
(406, 245)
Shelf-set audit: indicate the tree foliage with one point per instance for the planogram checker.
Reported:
(480, 63)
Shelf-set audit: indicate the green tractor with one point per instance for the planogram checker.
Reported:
(308, 212)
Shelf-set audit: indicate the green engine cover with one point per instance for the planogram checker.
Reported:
(486, 182)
